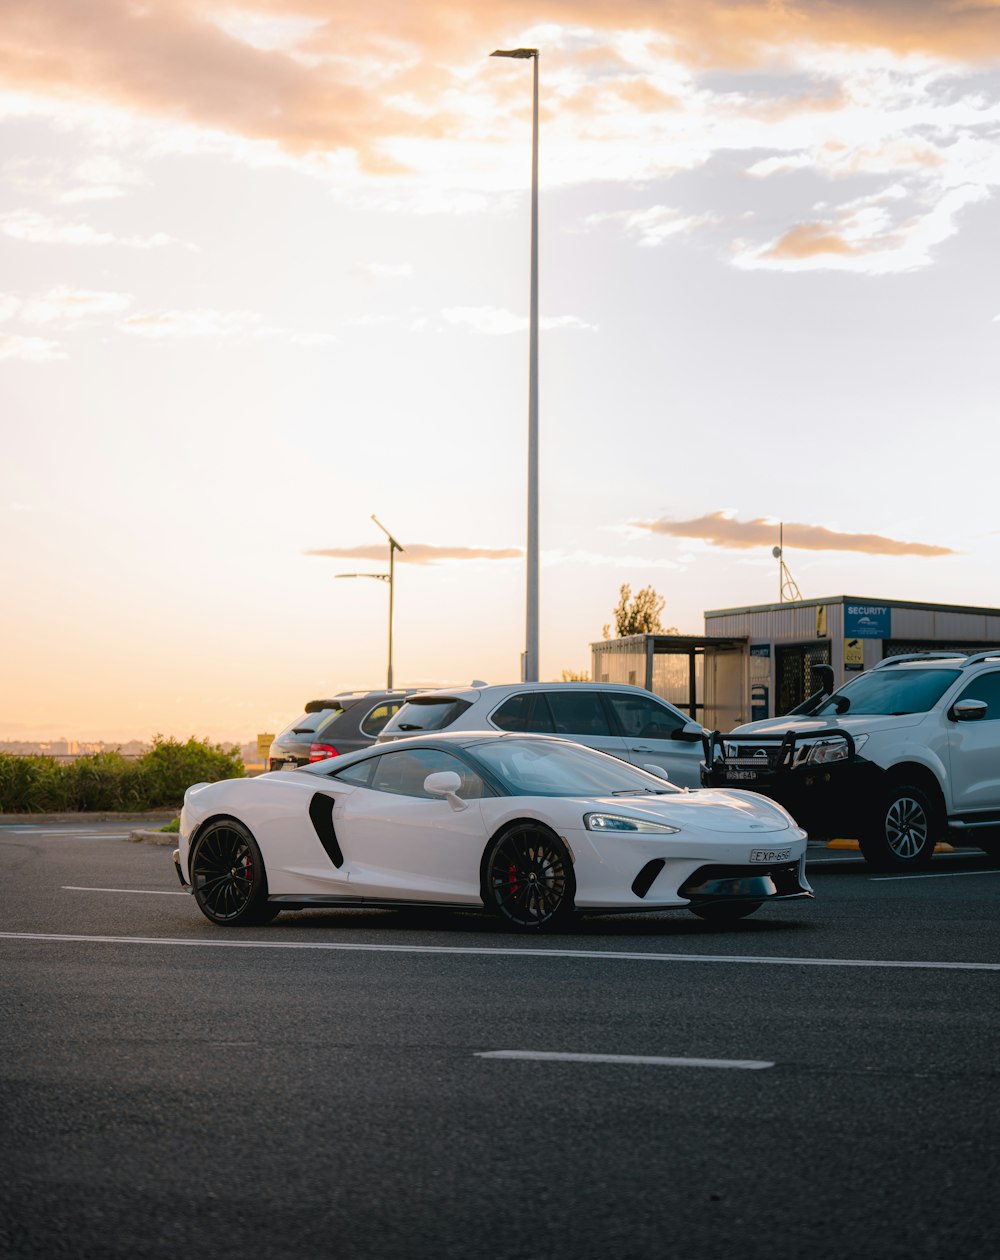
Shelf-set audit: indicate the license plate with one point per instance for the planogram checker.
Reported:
(770, 855)
(741, 776)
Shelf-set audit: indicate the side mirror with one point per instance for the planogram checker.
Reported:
(968, 711)
(689, 733)
(445, 783)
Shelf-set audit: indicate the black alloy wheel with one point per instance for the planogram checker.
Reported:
(528, 878)
(902, 830)
(228, 877)
(721, 912)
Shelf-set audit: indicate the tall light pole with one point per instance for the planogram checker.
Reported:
(531, 610)
(389, 577)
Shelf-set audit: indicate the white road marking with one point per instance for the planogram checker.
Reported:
(146, 892)
(593, 954)
(878, 879)
(652, 1060)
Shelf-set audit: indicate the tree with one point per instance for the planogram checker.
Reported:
(639, 615)
(573, 675)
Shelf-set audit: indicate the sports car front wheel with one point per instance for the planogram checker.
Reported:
(228, 877)
(528, 878)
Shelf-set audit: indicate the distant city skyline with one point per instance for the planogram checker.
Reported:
(265, 273)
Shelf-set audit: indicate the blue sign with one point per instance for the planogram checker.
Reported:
(867, 621)
(760, 649)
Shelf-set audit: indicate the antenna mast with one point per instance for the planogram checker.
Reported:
(788, 589)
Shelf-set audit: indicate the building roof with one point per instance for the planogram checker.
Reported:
(852, 599)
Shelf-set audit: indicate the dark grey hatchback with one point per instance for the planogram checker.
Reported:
(328, 728)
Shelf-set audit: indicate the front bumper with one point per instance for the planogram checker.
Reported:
(731, 884)
(827, 799)
(180, 873)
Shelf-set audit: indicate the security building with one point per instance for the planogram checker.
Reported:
(786, 641)
(758, 662)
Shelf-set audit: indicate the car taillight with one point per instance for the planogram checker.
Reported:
(320, 752)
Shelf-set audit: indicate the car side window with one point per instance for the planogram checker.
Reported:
(403, 773)
(360, 773)
(987, 689)
(525, 711)
(640, 717)
(578, 713)
(378, 717)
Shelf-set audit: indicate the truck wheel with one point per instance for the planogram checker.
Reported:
(902, 829)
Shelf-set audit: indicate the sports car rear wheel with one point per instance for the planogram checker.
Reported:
(528, 878)
(228, 876)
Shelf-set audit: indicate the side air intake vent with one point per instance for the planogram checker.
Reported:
(643, 882)
(321, 814)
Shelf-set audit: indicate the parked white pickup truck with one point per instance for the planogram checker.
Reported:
(898, 757)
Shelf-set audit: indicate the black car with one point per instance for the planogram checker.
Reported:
(344, 723)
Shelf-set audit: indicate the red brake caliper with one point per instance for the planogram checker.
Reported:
(512, 878)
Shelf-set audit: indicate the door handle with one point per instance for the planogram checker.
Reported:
(640, 748)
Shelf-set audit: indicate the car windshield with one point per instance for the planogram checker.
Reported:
(884, 691)
(542, 768)
(426, 715)
(311, 721)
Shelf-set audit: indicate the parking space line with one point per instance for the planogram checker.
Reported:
(651, 1060)
(881, 879)
(592, 955)
(145, 892)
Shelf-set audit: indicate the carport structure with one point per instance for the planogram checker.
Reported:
(704, 675)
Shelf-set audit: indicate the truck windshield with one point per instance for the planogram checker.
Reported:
(890, 690)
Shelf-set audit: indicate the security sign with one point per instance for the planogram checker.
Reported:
(854, 654)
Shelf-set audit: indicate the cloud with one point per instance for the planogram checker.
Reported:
(872, 235)
(652, 227)
(40, 229)
(498, 323)
(71, 307)
(397, 104)
(419, 553)
(29, 349)
(724, 531)
(207, 323)
(333, 76)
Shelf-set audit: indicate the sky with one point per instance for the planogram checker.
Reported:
(264, 273)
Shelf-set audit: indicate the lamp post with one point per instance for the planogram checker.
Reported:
(530, 669)
(389, 577)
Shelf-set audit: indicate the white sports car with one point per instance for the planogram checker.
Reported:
(529, 827)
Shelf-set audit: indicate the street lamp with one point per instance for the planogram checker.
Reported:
(389, 577)
(530, 669)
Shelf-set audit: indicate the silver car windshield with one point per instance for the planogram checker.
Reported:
(530, 767)
(894, 691)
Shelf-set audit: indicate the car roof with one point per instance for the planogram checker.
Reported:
(432, 739)
(937, 660)
(499, 689)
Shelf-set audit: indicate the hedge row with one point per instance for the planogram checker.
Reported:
(109, 781)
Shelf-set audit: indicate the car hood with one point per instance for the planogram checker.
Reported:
(725, 811)
(856, 724)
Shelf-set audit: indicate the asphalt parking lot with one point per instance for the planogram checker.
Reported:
(820, 1079)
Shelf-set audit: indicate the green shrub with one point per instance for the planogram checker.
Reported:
(170, 767)
(31, 785)
(109, 781)
(104, 781)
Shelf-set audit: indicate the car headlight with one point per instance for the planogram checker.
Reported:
(619, 822)
(826, 751)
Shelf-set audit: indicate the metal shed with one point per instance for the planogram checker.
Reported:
(786, 640)
(705, 675)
